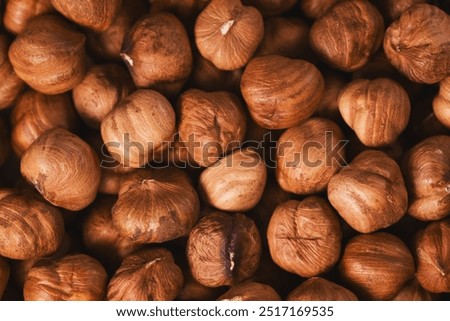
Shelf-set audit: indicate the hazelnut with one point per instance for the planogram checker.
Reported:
(319, 289)
(236, 182)
(100, 236)
(4, 275)
(63, 168)
(28, 227)
(223, 249)
(413, 291)
(215, 121)
(110, 181)
(35, 113)
(272, 7)
(348, 34)
(137, 127)
(308, 156)
(97, 15)
(370, 193)
(194, 291)
(101, 89)
(155, 205)
(426, 167)
(376, 265)
(148, 275)
(11, 85)
(315, 9)
(377, 110)
(49, 55)
(433, 257)
(417, 44)
(76, 277)
(158, 54)
(186, 10)
(281, 92)
(19, 12)
(228, 33)
(441, 103)
(250, 291)
(392, 9)
(329, 107)
(305, 236)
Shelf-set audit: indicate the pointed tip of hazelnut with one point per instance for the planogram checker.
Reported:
(127, 59)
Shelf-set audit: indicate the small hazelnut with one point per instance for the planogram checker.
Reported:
(228, 33)
(236, 182)
(348, 34)
(392, 9)
(19, 12)
(413, 291)
(223, 249)
(281, 92)
(11, 85)
(215, 121)
(155, 205)
(137, 127)
(441, 103)
(319, 289)
(101, 89)
(158, 54)
(433, 257)
(272, 7)
(35, 113)
(305, 236)
(417, 44)
(370, 193)
(308, 156)
(376, 265)
(49, 55)
(315, 9)
(97, 15)
(63, 168)
(28, 227)
(377, 110)
(148, 275)
(250, 291)
(4, 275)
(426, 167)
(75, 277)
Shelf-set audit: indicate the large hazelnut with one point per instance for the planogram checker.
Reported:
(272, 7)
(211, 124)
(319, 289)
(140, 125)
(441, 103)
(308, 155)
(417, 44)
(433, 257)
(413, 291)
(155, 205)
(250, 291)
(305, 236)
(281, 92)
(28, 227)
(236, 182)
(4, 275)
(426, 167)
(370, 193)
(158, 54)
(376, 265)
(49, 55)
(63, 168)
(228, 33)
(348, 34)
(75, 277)
(93, 14)
(316, 8)
(19, 12)
(35, 113)
(223, 249)
(101, 89)
(11, 85)
(377, 110)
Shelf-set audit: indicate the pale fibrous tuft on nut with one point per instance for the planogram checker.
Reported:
(228, 33)
(147, 275)
(19, 12)
(320, 289)
(75, 277)
(250, 291)
(11, 85)
(441, 103)
(4, 275)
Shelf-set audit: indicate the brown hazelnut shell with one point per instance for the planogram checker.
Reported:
(441, 103)
(19, 12)
(148, 275)
(223, 249)
(75, 277)
(413, 291)
(250, 291)
(272, 7)
(11, 85)
(319, 289)
(63, 168)
(4, 275)
(315, 9)
(281, 92)
(393, 9)
(376, 265)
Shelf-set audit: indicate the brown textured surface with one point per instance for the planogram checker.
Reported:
(441, 103)
(272, 7)
(250, 291)
(316, 8)
(11, 85)
(393, 9)
(413, 291)
(319, 289)
(19, 12)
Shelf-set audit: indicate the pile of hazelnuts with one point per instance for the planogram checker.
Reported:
(225, 150)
